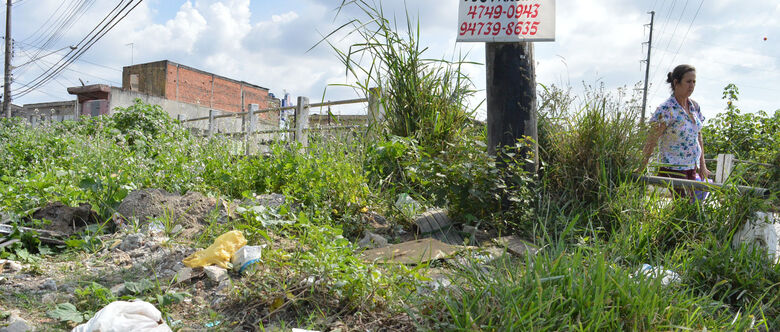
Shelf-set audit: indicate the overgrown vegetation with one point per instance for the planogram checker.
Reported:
(595, 226)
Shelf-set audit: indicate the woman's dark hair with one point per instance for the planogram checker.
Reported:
(678, 73)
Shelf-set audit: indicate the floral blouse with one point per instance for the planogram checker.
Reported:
(679, 144)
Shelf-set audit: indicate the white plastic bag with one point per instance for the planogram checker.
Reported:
(122, 316)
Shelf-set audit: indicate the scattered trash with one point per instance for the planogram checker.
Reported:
(213, 324)
(436, 224)
(246, 257)
(408, 206)
(667, 276)
(517, 246)
(372, 241)
(125, 316)
(219, 253)
(45, 236)
(764, 231)
(412, 252)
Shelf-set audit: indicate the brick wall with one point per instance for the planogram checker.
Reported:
(197, 87)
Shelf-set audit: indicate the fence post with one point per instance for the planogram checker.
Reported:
(32, 124)
(211, 123)
(253, 108)
(723, 170)
(376, 112)
(77, 111)
(302, 121)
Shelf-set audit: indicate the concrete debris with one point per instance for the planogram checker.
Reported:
(372, 241)
(412, 252)
(437, 224)
(216, 273)
(183, 275)
(763, 230)
(517, 246)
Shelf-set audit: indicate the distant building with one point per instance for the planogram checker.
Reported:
(179, 90)
(185, 84)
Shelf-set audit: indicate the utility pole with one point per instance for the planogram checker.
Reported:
(647, 66)
(8, 54)
(511, 98)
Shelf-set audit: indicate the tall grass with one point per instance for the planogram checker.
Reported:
(422, 98)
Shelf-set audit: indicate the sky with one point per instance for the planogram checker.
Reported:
(269, 43)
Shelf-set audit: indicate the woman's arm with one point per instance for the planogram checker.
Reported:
(704, 173)
(656, 131)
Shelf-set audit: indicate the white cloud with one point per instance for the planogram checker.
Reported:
(268, 43)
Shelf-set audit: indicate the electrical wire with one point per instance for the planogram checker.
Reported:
(684, 37)
(84, 45)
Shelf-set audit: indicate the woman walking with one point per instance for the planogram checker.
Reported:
(677, 124)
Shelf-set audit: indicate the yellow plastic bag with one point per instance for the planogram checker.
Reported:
(219, 253)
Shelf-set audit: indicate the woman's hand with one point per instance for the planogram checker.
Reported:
(704, 173)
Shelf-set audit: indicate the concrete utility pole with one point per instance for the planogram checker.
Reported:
(647, 66)
(511, 97)
(8, 54)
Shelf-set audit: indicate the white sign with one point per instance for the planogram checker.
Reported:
(506, 20)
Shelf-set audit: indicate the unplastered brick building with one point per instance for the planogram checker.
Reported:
(179, 90)
(185, 84)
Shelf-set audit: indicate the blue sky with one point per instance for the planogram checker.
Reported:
(265, 42)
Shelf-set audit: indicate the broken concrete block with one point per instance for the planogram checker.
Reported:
(183, 275)
(412, 252)
(216, 273)
(517, 246)
(762, 230)
(436, 224)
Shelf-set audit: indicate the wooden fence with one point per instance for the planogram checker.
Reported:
(300, 131)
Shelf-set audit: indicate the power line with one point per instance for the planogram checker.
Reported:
(79, 60)
(103, 30)
(686, 34)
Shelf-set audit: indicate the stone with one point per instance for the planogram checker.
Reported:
(132, 242)
(49, 285)
(372, 241)
(10, 266)
(17, 324)
(216, 273)
(517, 246)
(119, 289)
(183, 274)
